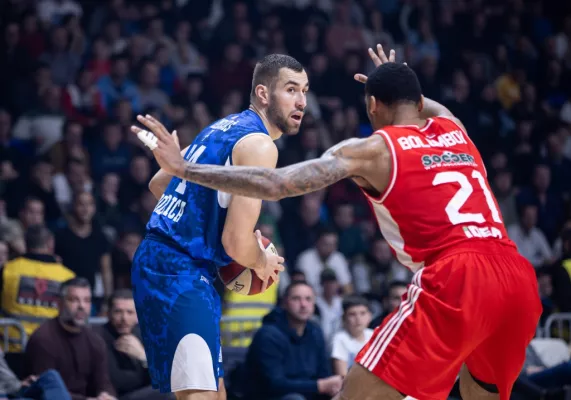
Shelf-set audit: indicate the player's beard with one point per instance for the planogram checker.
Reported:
(278, 119)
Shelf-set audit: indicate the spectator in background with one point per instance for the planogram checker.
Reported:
(391, 301)
(134, 182)
(30, 284)
(122, 258)
(42, 127)
(117, 85)
(47, 386)
(82, 101)
(506, 197)
(325, 255)
(125, 352)
(329, 304)
(74, 181)
(355, 333)
(67, 345)
(11, 232)
(4, 253)
(32, 213)
(64, 61)
(530, 241)
(287, 359)
(41, 187)
(351, 241)
(83, 246)
(110, 152)
(71, 147)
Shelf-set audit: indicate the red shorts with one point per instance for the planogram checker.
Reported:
(476, 308)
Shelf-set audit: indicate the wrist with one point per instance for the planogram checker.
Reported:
(179, 169)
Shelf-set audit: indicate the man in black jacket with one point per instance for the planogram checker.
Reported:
(125, 352)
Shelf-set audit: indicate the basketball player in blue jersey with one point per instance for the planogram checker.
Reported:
(194, 230)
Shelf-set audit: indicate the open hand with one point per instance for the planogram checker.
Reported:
(273, 264)
(167, 148)
(378, 59)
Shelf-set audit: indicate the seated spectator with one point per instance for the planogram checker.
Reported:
(47, 386)
(329, 305)
(529, 239)
(391, 301)
(324, 255)
(287, 359)
(65, 343)
(125, 352)
(31, 283)
(349, 341)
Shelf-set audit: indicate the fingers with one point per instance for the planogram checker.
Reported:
(265, 285)
(360, 78)
(156, 127)
(382, 54)
(175, 138)
(374, 57)
(281, 261)
(392, 56)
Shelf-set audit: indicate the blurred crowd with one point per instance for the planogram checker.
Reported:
(73, 179)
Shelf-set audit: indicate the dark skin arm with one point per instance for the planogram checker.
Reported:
(367, 158)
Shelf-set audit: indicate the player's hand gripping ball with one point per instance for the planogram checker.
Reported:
(244, 280)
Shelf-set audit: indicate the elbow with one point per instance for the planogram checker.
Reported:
(232, 246)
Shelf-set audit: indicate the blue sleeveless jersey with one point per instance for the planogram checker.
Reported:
(191, 217)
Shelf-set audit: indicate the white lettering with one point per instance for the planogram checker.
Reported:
(448, 139)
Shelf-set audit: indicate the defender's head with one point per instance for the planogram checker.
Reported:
(279, 87)
(389, 89)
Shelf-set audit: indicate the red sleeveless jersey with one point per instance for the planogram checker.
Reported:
(438, 201)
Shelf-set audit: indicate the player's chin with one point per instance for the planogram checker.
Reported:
(293, 129)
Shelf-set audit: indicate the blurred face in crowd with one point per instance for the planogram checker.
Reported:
(545, 285)
(287, 100)
(112, 136)
(300, 303)
(503, 182)
(140, 169)
(33, 213)
(129, 244)
(74, 135)
(330, 288)
(310, 139)
(357, 319)
(542, 178)
(120, 69)
(110, 183)
(395, 297)
(42, 174)
(327, 244)
(381, 251)
(150, 75)
(344, 216)
(84, 207)
(3, 253)
(123, 316)
(75, 306)
(529, 217)
(310, 210)
(59, 39)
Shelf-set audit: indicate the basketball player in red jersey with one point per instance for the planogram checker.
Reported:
(473, 305)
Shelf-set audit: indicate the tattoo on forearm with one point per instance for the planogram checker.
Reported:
(266, 183)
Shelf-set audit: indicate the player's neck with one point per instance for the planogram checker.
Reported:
(273, 130)
(408, 116)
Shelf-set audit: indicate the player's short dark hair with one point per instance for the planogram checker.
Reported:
(394, 83)
(37, 237)
(268, 68)
(79, 282)
(354, 301)
(119, 294)
(327, 230)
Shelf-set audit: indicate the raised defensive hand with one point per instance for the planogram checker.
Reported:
(378, 59)
(165, 147)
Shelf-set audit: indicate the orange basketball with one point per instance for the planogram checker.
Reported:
(244, 280)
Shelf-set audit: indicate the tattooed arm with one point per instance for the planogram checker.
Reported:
(347, 159)
(367, 160)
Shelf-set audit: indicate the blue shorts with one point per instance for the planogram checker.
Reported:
(179, 316)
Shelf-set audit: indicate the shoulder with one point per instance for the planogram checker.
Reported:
(269, 333)
(94, 338)
(255, 148)
(340, 337)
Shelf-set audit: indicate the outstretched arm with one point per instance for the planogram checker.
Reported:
(266, 183)
(346, 159)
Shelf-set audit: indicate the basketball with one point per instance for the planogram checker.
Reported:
(244, 280)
